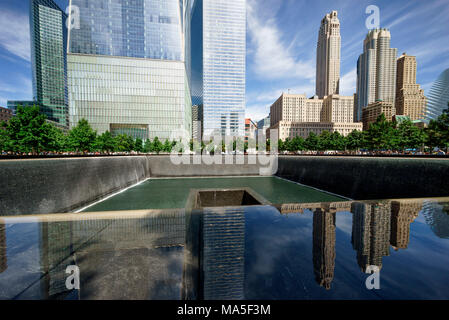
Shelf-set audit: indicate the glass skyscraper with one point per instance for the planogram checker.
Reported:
(438, 96)
(218, 65)
(48, 43)
(126, 67)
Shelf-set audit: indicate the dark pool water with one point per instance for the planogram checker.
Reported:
(296, 251)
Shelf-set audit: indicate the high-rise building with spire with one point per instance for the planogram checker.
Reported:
(328, 56)
(376, 71)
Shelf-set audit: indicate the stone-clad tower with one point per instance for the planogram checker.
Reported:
(328, 56)
(376, 71)
(410, 99)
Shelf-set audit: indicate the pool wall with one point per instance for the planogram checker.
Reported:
(63, 185)
(369, 178)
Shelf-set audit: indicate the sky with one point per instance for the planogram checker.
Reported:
(281, 44)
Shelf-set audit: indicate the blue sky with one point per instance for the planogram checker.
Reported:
(281, 44)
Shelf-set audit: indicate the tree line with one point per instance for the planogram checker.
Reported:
(29, 132)
(382, 135)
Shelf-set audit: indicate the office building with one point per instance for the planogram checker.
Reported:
(338, 108)
(328, 56)
(374, 110)
(218, 64)
(197, 122)
(410, 99)
(250, 130)
(288, 129)
(48, 59)
(5, 114)
(262, 127)
(296, 115)
(376, 71)
(126, 67)
(438, 96)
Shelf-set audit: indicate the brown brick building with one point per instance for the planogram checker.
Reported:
(5, 114)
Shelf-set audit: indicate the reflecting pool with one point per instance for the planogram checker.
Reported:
(288, 251)
(173, 193)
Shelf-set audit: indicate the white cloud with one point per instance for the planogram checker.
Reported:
(257, 112)
(15, 33)
(272, 59)
(348, 83)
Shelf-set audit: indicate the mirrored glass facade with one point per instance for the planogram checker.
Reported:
(127, 93)
(48, 43)
(126, 67)
(132, 28)
(438, 97)
(218, 51)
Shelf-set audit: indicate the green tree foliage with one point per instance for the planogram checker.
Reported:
(437, 133)
(124, 143)
(157, 146)
(409, 136)
(138, 145)
(28, 132)
(381, 134)
(355, 140)
(4, 138)
(82, 137)
(105, 142)
(312, 142)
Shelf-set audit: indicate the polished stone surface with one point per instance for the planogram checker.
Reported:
(287, 251)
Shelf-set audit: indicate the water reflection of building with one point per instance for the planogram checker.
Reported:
(371, 232)
(223, 253)
(324, 247)
(300, 207)
(3, 257)
(56, 250)
(132, 251)
(436, 216)
(403, 213)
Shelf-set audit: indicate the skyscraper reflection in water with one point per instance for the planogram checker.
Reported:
(437, 217)
(371, 233)
(3, 257)
(324, 247)
(223, 254)
(403, 213)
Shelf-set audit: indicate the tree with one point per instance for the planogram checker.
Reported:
(312, 142)
(4, 138)
(82, 137)
(147, 146)
(354, 140)
(156, 146)
(440, 128)
(138, 145)
(105, 142)
(409, 136)
(28, 131)
(167, 147)
(381, 135)
(124, 143)
(55, 140)
(297, 144)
